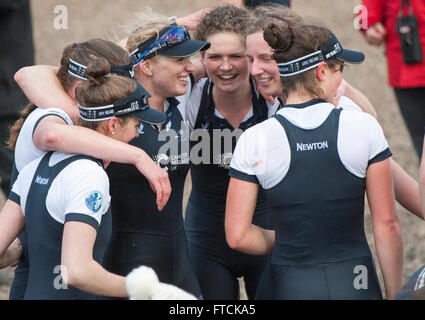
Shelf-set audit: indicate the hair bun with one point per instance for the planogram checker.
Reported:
(97, 71)
(278, 37)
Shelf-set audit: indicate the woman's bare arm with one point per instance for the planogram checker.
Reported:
(53, 134)
(241, 234)
(12, 222)
(43, 88)
(386, 225)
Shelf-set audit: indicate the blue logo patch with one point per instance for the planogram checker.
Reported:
(94, 201)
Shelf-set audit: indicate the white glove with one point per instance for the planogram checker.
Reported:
(165, 291)
(142, 284)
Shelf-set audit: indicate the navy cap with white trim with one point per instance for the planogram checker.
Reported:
(172, 41)
(330, 50)
(135, 105)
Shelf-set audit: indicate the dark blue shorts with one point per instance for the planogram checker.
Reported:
(216, 265)
(354, 279)
(166, 254)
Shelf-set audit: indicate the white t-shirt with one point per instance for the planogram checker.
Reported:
(263, 150)
(81, 187)
(25, 150)
(195, 101)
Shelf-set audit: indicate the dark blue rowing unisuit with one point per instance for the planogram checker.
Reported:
(141, 233)
(216, 264)
(19, 283)
(44, 236)
(320, 251)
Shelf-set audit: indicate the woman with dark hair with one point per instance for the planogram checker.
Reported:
(160, 52)
(225, 102)
(315, 163)
(65, 198)
(41, 130)
(266, 74)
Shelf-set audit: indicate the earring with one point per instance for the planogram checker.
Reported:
(113, 132)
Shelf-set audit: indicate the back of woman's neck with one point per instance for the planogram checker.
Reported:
(298, 97)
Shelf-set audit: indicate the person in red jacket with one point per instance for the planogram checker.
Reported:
(408, 80)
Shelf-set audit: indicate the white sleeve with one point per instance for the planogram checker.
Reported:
(184, 99)
(20, 188)
(242, 164)
(272, 108)
(262, 155)
(86, 193)
(379, 149)
(192, 104)
(60, 113)
(348, 104)
(16, 192)
(361, 142)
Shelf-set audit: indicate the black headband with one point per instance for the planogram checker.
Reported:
(124, 70)
(327, 52)
(79, 71)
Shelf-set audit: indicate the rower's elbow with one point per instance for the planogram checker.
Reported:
(48, 139)
(234, 238)
(51, 139)
(72, 275)
(19, 75)
(389, 227)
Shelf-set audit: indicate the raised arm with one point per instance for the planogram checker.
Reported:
(53, 134)
(241, 234)
(192, 20)
(386, 225)
(237, 3)
(42, 87)
(200, 71)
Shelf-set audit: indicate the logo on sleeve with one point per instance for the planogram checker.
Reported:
(94, 201)
(140, 128)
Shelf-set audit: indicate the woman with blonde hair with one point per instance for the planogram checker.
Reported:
(41, 130)
(160, 53)
(65, 198)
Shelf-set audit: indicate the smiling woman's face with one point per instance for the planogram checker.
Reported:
(226, 62)
(170, 75)
(263, 67)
